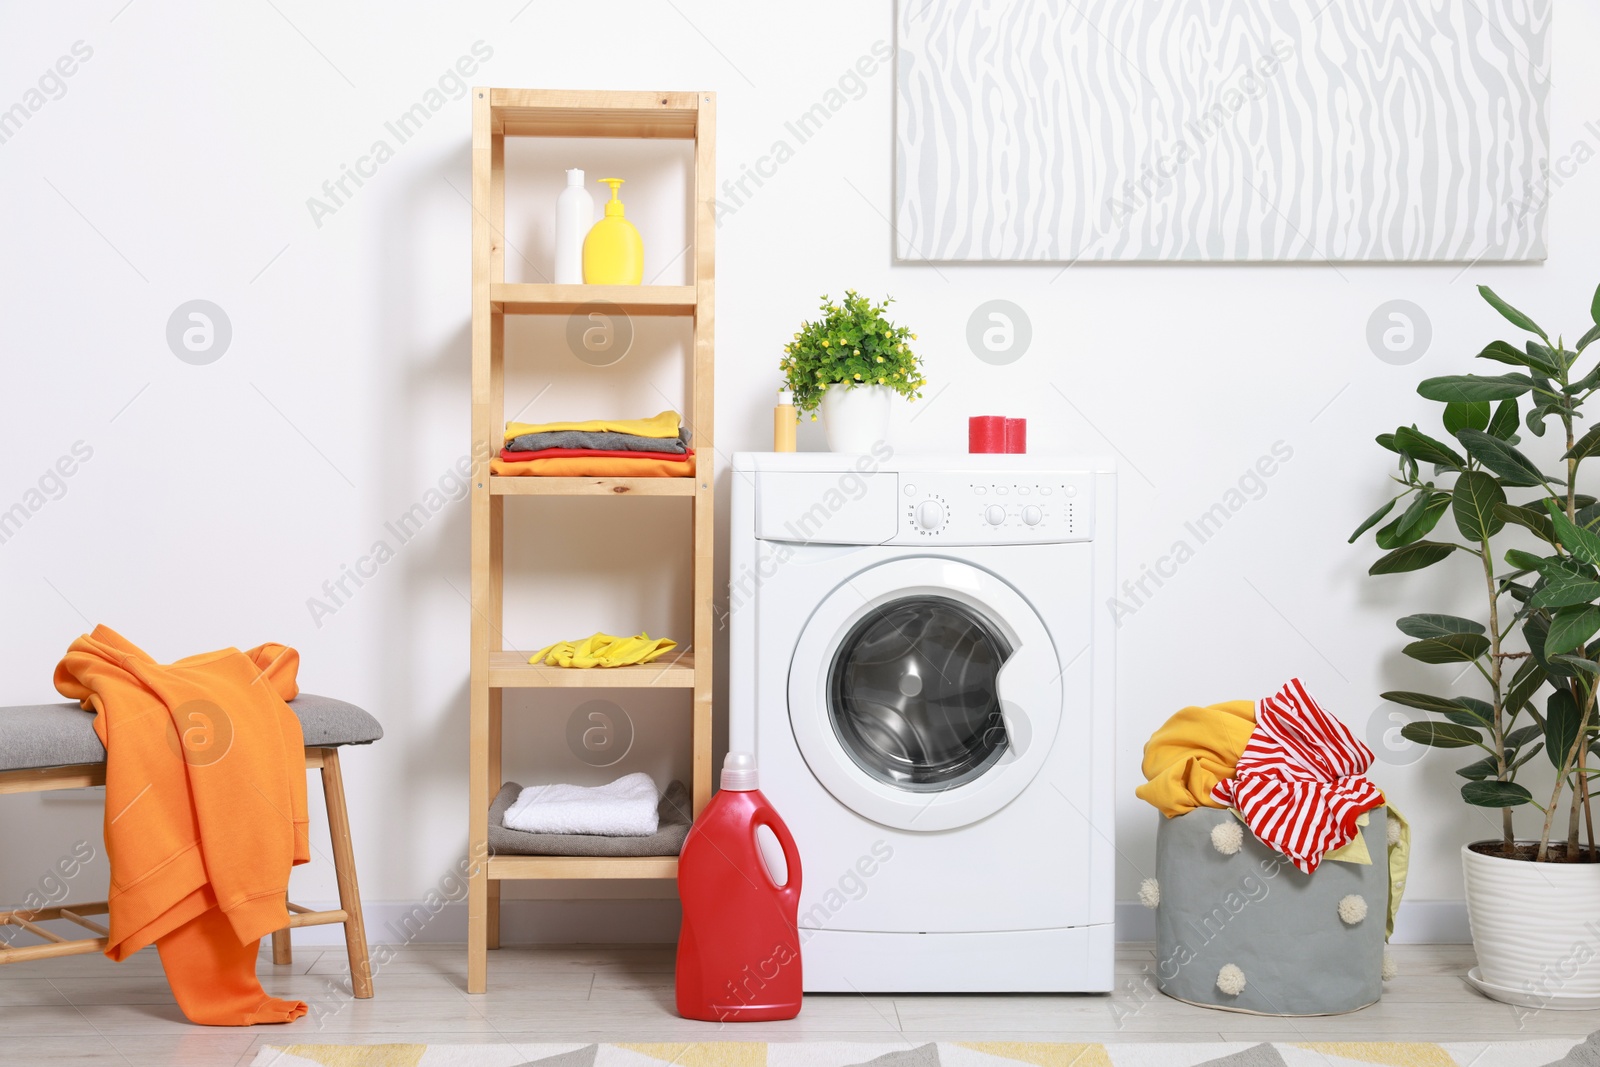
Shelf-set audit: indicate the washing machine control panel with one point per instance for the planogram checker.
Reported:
(996, 508)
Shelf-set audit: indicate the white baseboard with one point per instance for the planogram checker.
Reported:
(600, 922)
(522, 922)
(1419, 922)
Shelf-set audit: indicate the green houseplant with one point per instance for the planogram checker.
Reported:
(851, 362)
(1537, 660)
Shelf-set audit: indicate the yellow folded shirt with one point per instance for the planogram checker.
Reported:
(604, 650)
(665, 424)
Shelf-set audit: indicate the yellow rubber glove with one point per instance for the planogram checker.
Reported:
(604, 650)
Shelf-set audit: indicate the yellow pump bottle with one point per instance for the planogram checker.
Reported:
(613, 253)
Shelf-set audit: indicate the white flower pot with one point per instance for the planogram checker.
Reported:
(1535, 928)
(855, 418)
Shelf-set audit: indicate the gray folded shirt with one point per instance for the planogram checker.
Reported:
(599, 439)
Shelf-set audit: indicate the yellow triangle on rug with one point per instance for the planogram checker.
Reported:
(354, 1055)
(703, 1053)
(1388, 1053)
(1043, 1055)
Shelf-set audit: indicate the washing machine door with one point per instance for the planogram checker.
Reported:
(925, 693)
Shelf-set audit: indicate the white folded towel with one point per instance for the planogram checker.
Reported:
(625, 808)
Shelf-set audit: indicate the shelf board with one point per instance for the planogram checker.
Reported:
(513, 867)
(528, 485)
(567, 113)
(523, 298)
(511, 670)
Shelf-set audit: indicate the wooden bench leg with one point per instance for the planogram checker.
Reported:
(344, 865)
(282, 953)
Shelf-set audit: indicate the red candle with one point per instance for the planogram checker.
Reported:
(986, 434)
(1016, 435)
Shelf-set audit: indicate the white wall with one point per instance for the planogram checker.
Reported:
(178, 163)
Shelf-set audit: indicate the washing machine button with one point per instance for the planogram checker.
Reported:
(1031, 515)
(911, 490)
(930, 515)
(994, 515)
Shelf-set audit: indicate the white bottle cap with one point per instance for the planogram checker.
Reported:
(574, 177)
(739, 772)
(785, 396)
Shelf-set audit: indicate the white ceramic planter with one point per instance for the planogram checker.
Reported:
(1536, 929)
(855, 418)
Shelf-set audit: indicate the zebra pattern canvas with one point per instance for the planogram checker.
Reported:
(1255, 130)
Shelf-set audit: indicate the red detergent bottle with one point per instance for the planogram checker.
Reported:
(739, 948)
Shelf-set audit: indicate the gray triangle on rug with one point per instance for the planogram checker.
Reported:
(1585, 1054)
(578, 1057)
(921, 1056)
(1262, 1055)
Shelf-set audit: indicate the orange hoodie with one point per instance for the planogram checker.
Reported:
(205, 811)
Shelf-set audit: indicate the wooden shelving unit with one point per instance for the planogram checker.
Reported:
(496, 115)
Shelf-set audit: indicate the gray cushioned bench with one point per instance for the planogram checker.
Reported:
(54, 746)
(62, 735)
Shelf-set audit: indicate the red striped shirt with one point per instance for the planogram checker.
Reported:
(1301, 782)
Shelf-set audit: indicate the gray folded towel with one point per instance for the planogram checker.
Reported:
(602, 439)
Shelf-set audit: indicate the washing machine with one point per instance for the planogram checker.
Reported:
(923, 664)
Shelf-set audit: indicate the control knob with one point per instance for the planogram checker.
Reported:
(1031, 515)
(930, 515)
(994, 515)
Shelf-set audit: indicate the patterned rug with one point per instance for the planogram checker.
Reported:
(940, 1054)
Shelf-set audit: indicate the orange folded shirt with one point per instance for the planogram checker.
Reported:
(596, 467)
(205, 811)
(511, 455)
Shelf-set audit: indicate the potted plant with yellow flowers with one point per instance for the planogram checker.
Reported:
(852, 362)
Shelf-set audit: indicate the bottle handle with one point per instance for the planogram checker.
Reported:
(791, 853)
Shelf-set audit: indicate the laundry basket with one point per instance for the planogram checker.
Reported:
(1238, 927)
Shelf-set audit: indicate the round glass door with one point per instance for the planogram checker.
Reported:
(913, 693)
(924, 693)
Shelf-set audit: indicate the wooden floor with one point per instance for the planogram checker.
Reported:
(86, 1009)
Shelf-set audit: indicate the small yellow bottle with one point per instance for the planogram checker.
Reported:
(784, 418)
(613, 253)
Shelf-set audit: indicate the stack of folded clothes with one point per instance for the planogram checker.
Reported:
(600, 448)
